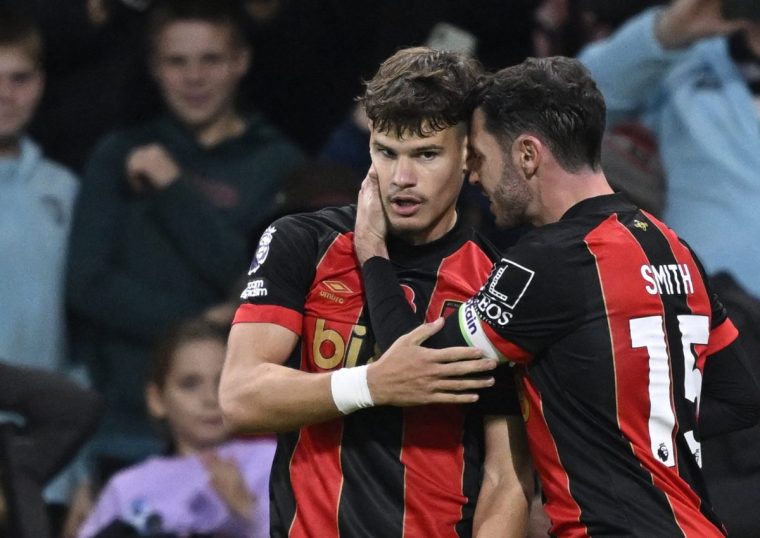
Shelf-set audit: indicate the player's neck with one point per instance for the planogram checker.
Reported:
(568, 189)
(435, 232)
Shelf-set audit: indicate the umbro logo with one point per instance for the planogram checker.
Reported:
(337, 286)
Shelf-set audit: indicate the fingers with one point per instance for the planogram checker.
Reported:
(459, 391)
(369, 183)
(465, 355)
(467, 368)
(464, 385)
(424, 331)
(454, 398)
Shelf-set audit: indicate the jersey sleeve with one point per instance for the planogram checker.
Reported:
(730, 395)
(730, 392)
(280, 275)
(528, 301)
(501, 397)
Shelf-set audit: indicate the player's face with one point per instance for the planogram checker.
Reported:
(501, 181)
(21, 83)
(419, 180)
(189, 400)
(198, 68)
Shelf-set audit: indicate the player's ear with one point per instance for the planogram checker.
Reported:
(526, 152)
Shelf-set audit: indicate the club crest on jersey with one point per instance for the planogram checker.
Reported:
(508, 283)
(262, 251)
(641, 225)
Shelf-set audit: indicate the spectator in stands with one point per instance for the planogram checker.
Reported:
(94, 74)
(58, 417)
(166, 210)
(693, 77)
(36, 204)
(206, 484)
(689, 75)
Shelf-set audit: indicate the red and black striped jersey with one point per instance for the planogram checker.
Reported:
(380, 471)
(608, 312)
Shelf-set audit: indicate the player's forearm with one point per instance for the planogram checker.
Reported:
(274, 398)
(504, 499)
(390, 312)
(502, 511)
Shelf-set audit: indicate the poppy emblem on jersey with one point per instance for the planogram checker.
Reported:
(640, 225)
(509, 282)
(262, 251)
(409, 295)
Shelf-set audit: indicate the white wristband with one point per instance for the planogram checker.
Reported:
(350, 390)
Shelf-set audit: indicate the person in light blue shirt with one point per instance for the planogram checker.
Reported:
(36, 201)
(691, 76)
(36, 204)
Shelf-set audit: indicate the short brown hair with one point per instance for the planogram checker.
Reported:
(553, 98)
(227, 13)
(420, 91)
(17, 30)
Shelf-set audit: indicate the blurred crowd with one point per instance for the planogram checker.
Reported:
(146, 144)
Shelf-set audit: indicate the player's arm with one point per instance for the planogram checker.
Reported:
(258, 393)
(730, 392)
(503, 503)
(391, 314)
(730, 395)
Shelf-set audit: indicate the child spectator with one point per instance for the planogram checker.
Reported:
(206, 484)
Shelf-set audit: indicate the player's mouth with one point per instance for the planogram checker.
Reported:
(405, 206)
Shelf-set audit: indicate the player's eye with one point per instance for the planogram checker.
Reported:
(428, 155)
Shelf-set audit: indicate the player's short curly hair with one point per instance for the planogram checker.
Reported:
(420, 91)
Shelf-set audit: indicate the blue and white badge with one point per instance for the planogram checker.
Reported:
(262, 251)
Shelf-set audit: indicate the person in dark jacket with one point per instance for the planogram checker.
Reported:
(161, 229)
